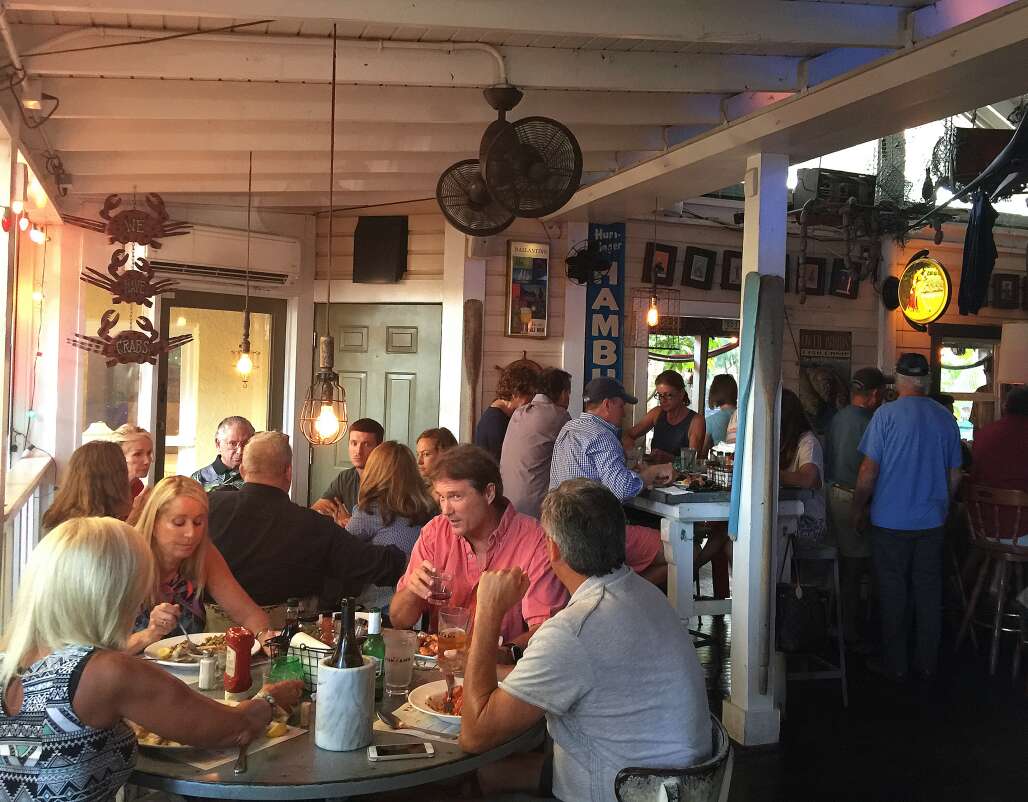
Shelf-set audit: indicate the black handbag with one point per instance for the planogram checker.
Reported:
(801, 624)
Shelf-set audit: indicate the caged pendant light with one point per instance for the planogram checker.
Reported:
(245, 360)
(323, 417)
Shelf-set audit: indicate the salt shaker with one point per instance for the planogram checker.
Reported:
(208, 671)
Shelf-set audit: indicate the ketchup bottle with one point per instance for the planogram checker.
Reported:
(239, 642)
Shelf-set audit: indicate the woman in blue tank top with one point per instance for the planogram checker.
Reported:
(674, 425)
(66, 688)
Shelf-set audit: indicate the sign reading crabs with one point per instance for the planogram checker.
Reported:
(126, 347)
(141, 226)
(133, 286)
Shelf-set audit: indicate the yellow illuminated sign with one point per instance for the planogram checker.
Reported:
(924, 291)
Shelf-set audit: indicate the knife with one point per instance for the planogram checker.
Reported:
(394, 723)
(240, 767)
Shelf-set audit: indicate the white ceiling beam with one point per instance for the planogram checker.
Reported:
(235, 57)
(263, 184)
(306, 201)
(718, 21)
(87, 135)
(161, 163)
(969, 67)
(144, 99)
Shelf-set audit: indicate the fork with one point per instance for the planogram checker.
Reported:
(448, 704)
(193, 648)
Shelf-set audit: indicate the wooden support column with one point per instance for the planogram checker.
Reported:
(752, 714)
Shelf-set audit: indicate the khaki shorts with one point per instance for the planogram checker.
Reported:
(850, 542)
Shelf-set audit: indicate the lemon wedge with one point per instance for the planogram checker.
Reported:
(276, 730)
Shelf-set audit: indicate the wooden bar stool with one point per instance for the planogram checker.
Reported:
(998, 519)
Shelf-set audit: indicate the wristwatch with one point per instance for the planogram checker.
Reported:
(514, 652)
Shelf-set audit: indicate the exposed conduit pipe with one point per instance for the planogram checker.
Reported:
(372, 44)
(5, 31)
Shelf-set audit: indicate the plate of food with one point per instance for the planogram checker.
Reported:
(428, 649)
(174, 652)
(430, 698)
(151, 740)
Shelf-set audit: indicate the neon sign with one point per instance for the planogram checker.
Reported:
(924, 291)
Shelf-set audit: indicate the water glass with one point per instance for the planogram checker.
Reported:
(688, 456)
(399, 660)
(440, 593)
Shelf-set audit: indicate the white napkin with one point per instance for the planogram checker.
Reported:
(207, 759)
(443, 730)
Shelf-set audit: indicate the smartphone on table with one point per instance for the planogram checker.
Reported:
(400, 751)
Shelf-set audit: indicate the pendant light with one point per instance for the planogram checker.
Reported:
(652, 315)
(244, 358)
(323, 417)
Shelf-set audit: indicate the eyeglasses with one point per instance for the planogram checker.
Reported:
(665, 396)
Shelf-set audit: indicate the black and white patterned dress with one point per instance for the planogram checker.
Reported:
(46, 752)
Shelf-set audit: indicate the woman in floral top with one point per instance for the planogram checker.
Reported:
(187, 565)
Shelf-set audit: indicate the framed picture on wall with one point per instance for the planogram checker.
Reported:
(845, 280)
(698, 267)
(528, 284)
(731, 270)
(1006, 290)
(811, 277)
(659, 264)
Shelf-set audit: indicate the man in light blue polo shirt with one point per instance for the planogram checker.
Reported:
(909, 474)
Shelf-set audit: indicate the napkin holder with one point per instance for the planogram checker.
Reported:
(346, 707)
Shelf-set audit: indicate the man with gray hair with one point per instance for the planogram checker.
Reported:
(908, 476)
(230, 438)
(279, 550)
(587, 669)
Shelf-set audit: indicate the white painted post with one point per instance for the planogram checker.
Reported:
(752, 713)
(573, 356)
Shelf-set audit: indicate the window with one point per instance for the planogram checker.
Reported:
(962, 359)
(704, 348)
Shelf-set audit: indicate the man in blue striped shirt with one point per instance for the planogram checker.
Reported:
(589, 447)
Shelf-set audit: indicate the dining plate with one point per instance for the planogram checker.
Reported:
(154, 649)
(425, 660)
(165, 747)
(419, 698)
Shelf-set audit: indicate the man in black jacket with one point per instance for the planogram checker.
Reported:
(279, 550)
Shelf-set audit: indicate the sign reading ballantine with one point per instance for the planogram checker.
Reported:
(604, 303)
(924, 291)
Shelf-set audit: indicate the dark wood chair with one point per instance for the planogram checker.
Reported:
(998, 519)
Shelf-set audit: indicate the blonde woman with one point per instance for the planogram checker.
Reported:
(67, 688)
(187, 565)
(430, 444)
(137, 446)
(95, 483)
(392, 506)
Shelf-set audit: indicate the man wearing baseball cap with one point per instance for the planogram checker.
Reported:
(909, 475)
(589, 447)
(842, 462)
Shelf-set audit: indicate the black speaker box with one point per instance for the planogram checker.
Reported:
(379, 250)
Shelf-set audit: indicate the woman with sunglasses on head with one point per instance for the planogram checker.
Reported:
(674, 425)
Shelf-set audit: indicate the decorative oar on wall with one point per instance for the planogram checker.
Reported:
(473, 317)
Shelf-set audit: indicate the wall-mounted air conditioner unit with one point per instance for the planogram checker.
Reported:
(212, 255)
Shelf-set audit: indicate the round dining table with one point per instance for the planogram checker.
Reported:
(297, 769)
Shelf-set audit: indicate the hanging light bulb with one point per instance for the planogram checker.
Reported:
(323, 416)
(652, 315)
(17, 206)
(23, 223)
(37, 235)
(244, 361)
(244, 365)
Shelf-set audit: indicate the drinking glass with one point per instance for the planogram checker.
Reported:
(440, 593)
(399, 660)
(453, 639)
(688, 456)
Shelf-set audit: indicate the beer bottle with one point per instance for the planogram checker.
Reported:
(374, 647)
(347, 653)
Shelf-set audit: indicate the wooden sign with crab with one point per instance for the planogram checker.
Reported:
(141, 226)
(129, 346)
(133, 286)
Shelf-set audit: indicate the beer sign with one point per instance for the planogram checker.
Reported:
(924, 291)
(605, 302)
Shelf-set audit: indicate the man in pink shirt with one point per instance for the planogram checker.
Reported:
(478, 530)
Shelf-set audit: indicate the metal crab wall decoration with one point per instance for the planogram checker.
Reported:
(142, 226)
(133, 286)
(126, 347)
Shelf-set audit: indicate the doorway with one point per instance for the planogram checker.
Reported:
(387, 357)
(197, 385)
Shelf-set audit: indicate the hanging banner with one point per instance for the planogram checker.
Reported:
(605, 303)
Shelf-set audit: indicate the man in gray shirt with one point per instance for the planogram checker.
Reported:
(842, 463)
(528, 445)
(615, 673)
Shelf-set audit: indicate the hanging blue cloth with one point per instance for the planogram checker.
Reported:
(747, 347)
(979, 254)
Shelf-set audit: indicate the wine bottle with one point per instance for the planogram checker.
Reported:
(347, 653)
